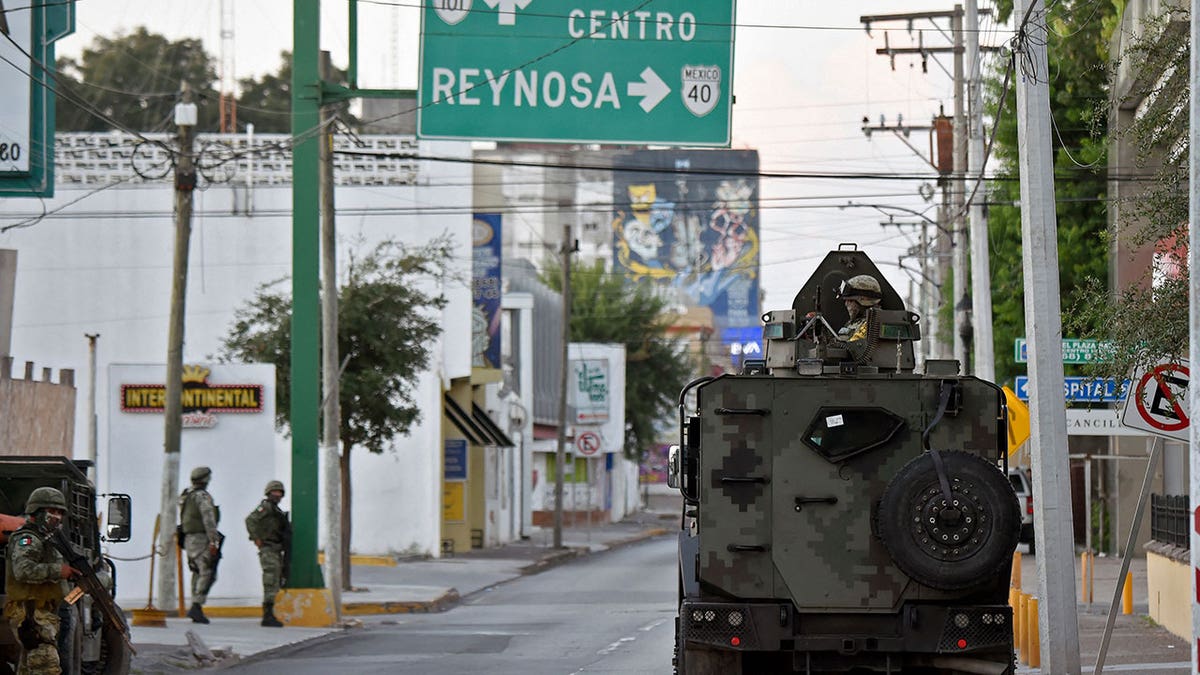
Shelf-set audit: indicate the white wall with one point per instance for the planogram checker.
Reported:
(240, 449)
(103, 265)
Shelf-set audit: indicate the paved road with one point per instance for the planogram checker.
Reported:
(608, 613)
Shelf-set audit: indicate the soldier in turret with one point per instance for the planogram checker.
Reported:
(35, 582)
(860, 293)
(198, 518)
(271, 532)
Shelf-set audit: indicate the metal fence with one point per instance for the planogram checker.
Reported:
(1169, 520)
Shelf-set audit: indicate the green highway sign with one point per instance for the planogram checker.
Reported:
(612, 71)
(1074, 350)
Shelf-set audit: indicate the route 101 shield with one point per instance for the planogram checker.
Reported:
(452, 11)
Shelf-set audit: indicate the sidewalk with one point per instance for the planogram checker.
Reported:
(1138, 645)
(410, 586)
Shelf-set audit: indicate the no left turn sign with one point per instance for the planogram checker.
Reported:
(1158, 403)
(588, 443)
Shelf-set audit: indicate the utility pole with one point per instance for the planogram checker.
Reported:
(335, 525)
(560, 457)
(1058, 621)
(962, 325)
(1193, 256)
(961, 303)
(981, 278)
(91, 402)
(185, 183)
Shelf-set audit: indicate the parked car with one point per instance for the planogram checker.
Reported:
(1024, 489)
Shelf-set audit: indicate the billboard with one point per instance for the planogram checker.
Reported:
(485, 305)
(687, 221)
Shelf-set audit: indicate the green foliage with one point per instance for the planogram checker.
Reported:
(1079, 99)
(608, 309)
(1148, 321)
(387, 317)
(134, 79)
(266, 102)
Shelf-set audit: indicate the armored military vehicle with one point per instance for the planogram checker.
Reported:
(93, 642)
(843, 512)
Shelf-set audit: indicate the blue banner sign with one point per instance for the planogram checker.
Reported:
(455, 467)
(485, 306)
(1082, 389)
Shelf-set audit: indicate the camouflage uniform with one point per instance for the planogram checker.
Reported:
(33, 583)
(269, 524)
(198, 517)
(270, 530)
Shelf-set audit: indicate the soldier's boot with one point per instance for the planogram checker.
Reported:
(196, 614)
(269, 616)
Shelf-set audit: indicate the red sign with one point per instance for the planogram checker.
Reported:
(588, 443)
(1159, 396)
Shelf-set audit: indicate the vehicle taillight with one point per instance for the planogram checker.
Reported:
(1029, 504)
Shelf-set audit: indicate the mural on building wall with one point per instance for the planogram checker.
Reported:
(688, 221)
(485, 305)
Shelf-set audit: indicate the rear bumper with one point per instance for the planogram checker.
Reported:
(917, 631)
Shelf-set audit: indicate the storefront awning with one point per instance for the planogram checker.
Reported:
(477, 427)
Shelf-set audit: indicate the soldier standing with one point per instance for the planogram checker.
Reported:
(271, 531)
(34, 579)
(198, 518)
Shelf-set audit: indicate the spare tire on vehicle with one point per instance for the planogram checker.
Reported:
(951, 545)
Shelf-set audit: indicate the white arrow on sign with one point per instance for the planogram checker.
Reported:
(652, 89)
(508, 14)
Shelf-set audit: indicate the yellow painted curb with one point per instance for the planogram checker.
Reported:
(229, 612)
(305, 607)
(448, 600)
(368, 560)
(441, 604)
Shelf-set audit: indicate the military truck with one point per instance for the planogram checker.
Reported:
(843, 512)
(89, 644)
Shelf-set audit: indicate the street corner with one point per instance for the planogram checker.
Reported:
(553, 559)
(445, 602)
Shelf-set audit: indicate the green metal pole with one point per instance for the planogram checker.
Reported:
(306, 327)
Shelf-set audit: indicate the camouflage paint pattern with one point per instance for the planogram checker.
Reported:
(824, 556)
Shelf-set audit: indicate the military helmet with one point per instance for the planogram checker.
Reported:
(274, 485)
(45, 497)
(863, 288)
(201, 474)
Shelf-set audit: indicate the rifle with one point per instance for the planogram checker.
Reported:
(89, 583)
(216, 560)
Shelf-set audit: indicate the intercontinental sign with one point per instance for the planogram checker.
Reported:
(201, 400)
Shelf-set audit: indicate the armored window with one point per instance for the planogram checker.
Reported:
(838, 433)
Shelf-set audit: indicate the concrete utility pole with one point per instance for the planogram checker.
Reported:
(560, 457)
(980, 317)
(958, 222)
(1059, 624)
(91, 401)
(1194, 314)
(185, 183)
(330, 406)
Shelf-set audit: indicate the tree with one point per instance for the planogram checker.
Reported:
(387, 316)
(134, 79)
(608, 309)
(1077, 54)
(266, 102)
(1149, 320)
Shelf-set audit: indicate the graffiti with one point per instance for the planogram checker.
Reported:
(693, 231)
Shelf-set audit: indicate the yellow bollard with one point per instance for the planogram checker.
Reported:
(1023, 628)
(1127, 594)
(1016, 570)
(1083, 576)
(1035, 636)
